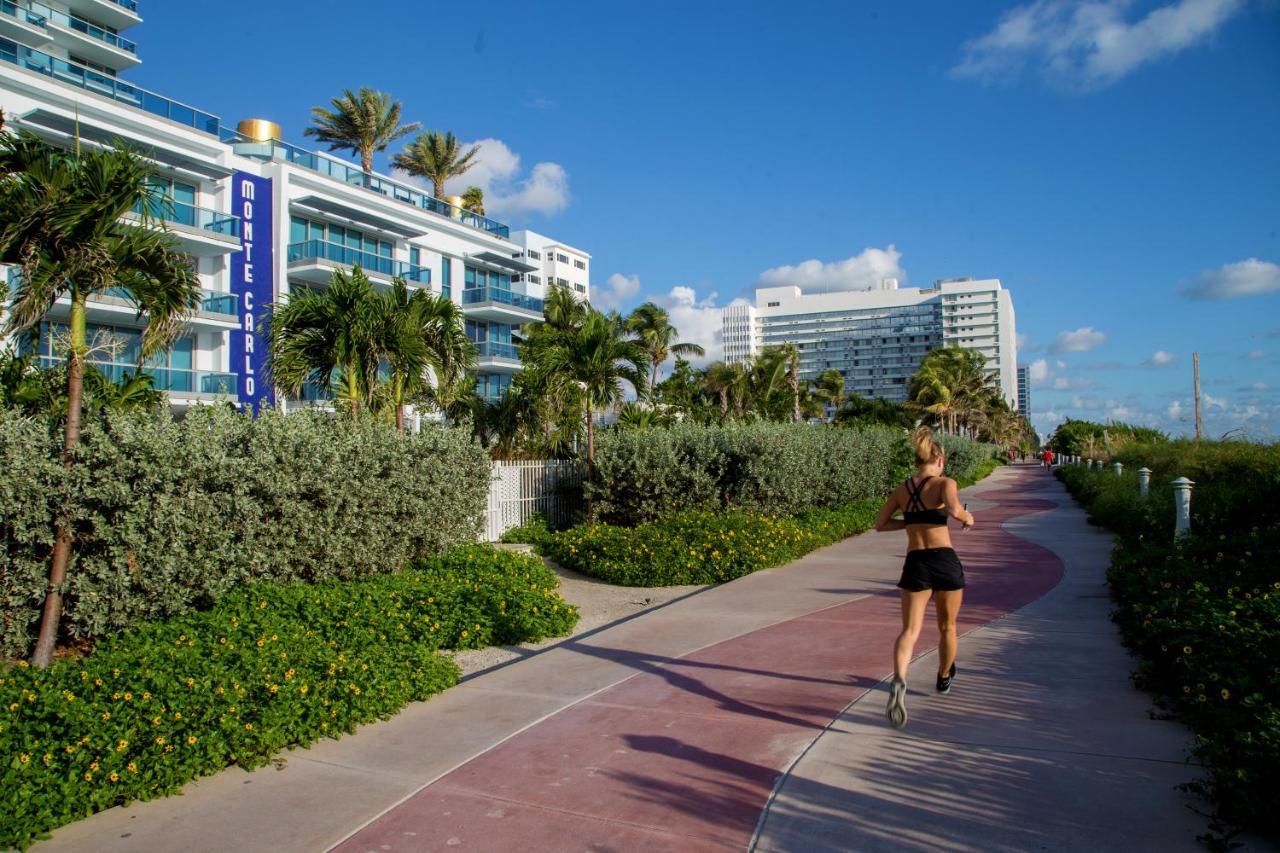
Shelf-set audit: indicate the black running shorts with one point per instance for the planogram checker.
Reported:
(932, 568)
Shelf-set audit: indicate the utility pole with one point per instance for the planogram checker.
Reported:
(1195, 369)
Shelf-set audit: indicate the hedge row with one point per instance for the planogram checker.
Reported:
(645, 475)
(169, 515)
(271, 666)
(1204, 614)
(701, 546)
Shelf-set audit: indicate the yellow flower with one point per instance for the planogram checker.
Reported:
(160, 740)
(1226, 694)
(248, 727)
(122, 746)
(191, 740)
(93, 765)
(114, 777)
(146, 696)
(1186, 650)
(24, 758)
(128, 697)
(303, 690)
(88, 776)
(132, 767)
(48, 757)
(106, 715)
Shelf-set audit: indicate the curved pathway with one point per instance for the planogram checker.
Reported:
(750, 714)
(685, 755)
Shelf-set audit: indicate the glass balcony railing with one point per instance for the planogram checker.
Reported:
(82, 26)
(106, 86)
(274, 149)
(495, 349)
(23, 13)
(211, 301)
(131, 5)
(314, 250)
(181, 213)
(506, 297)
(170, 379)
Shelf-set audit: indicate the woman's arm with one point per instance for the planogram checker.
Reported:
(954, 507)
(885, 520)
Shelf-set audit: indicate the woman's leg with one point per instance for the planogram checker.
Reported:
(913, 606)
(948, 606)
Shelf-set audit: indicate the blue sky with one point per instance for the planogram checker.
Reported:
(1113, 163)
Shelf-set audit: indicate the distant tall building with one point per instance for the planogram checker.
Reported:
(876, 338)
(1024, 393)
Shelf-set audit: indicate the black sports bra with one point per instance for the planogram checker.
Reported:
(915, 513)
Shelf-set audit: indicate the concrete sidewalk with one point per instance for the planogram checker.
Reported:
(673, 729)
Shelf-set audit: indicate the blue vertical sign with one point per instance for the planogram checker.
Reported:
(253, 283)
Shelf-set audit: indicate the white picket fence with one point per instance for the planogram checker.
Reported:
(519, 490)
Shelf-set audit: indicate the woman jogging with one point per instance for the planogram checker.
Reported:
(932, 568)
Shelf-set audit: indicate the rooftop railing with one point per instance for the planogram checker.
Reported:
(323, 250)
(274, 149)
(106, 86)
(181, 213)
(506, 297)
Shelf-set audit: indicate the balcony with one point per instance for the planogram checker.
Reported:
(315, 261)
(19, 21)
(274, 149)
(501, 306)
(106, 86)
(496, 357)
(214, 304)
(113, 13)
(200, 231)
(208, 384)
(90, 40)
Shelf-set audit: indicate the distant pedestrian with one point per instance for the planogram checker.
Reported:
(1047, 459)
(932, 568)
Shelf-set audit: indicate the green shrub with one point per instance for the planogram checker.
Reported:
(532, 532)
(1204, 614)
(269, 667)
(758, 467)
(700, 546)
(170, 515)
(968, 461)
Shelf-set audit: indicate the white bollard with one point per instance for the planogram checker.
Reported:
(1144, 481)
(1182, 503)
(1118, 467)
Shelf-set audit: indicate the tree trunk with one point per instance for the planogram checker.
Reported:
(724, 403)
(591, 462)
(437, 187)
(399, 417)
(793, 377)
(42, 654)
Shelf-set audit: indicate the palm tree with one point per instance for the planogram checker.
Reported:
(473, 200)
(60, 224)
(444, 356)
(363, 123)
(952, 387)
(637, 417)
(436, 157)
(339, 338)
(829, 387)
(719, 380)
(652, 326)
(597, 357)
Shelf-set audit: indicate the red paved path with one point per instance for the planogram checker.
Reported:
(683, 755)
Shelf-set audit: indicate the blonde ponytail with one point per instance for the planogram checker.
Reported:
(927, 450)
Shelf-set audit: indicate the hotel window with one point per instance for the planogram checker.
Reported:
(537, 256)
(579, 264)
(475, 278)
(101, 69)
(564, 259)
(534, 279)
(171, 200)
(356, 242)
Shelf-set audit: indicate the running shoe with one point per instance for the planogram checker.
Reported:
(897, 710)
(944, 681)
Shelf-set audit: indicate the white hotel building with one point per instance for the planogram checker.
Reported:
(876, 338)
(259, 217)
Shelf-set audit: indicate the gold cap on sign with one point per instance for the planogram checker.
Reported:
(259, 129)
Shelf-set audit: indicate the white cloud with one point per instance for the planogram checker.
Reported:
(697, 320)
(1025, 344)
(1212, 402)
(1070, 383)
(1175, 410)
(1251, 277)
(615, 292)
(1090, 44)
(1038, 370)
(1090, 402)
(496, 170)
(1256, 354)
(1160, 358)
(863, 271)
(1259, 386)
(1081, 340)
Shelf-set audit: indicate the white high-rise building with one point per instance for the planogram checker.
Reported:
(259, 217)
(877, 338)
